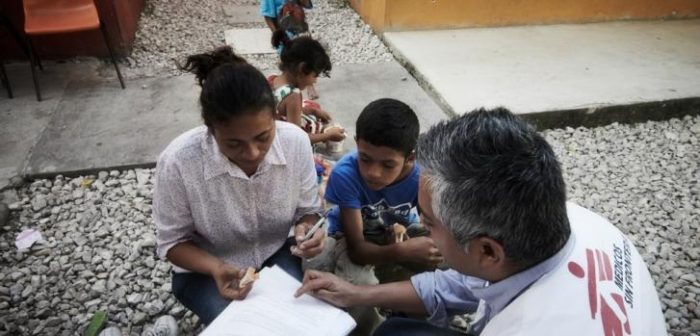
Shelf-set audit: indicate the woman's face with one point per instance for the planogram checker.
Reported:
(245, 139)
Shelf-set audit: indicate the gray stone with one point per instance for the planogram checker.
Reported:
(688, 277)
(16, 276)
(9, 196)
(53, 322)
(39, 202)
(139, 318)
(98, 288)
(695, 325)
(134, 298)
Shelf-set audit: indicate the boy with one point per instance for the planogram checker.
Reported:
(374, 188)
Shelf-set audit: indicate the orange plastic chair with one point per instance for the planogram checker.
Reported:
(42, 17)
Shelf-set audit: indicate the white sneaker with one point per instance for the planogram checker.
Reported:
(164, 326)
(111, 331)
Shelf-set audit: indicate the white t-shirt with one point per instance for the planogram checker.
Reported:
(602, 288)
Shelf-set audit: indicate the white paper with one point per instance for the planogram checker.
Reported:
(27, 238)
(272, 309)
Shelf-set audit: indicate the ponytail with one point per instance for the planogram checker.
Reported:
(230, 86)
(201, 65)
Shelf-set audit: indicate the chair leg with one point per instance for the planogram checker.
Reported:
(32, 53)
(111, 53)
(33, 60)
(5, 81)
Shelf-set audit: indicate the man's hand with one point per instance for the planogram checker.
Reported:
(227, 278)
(421, 250)
(327, 287)
(313, 246)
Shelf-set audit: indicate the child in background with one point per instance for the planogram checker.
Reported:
(270, 10)
(302, 61)
(287, 17)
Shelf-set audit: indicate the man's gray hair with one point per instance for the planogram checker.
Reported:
(493, 175)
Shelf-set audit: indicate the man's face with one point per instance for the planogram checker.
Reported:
(245, 140)
(379, 166)
(454, 254)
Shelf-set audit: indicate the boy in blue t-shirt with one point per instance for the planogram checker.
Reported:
(372, 189)
(377, 186)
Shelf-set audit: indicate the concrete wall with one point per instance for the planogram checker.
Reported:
(393, 15)
(120, 18)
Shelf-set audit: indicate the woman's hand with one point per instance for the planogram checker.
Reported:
(421, 250)
(227, 278)
(327, 287)
(311, 247)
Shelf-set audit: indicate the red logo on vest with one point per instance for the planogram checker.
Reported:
(603, 295)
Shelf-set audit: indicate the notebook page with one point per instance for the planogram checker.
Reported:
(271, 309)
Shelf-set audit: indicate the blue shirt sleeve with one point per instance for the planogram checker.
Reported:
(445, 294)
(269, 8)
(343, 187)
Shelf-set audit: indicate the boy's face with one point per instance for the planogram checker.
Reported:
(381, 166)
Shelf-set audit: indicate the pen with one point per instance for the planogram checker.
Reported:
(316, 226)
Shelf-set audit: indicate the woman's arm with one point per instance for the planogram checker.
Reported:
(308, 208)
(174, 232)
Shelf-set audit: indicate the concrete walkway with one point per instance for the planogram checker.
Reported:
(88, 123)
(534, 69)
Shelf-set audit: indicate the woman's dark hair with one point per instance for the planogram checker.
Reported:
(230, 86)
(301, 50)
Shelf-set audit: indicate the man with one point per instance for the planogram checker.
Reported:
(526, 262)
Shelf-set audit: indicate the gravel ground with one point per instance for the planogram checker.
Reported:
(170, 30)
(99, 250)
(644, 179)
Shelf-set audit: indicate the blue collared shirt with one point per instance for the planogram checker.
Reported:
(448, 293)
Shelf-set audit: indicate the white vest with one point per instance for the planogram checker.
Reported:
(602, 288)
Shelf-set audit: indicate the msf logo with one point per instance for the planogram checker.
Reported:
(604, 297)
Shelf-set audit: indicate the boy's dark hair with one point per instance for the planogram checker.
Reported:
(493, 175)
(230, 86)
(301, 50)
(390, 123)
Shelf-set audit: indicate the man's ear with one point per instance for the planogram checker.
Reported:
(492, 255)
(411, 156)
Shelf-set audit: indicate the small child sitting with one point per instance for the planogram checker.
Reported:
(303, 59)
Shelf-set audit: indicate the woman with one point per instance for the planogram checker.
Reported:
(228, 194)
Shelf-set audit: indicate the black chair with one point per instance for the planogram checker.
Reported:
(26, 46)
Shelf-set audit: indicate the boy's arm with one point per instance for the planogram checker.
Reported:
(360, 251)
(419, 250)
